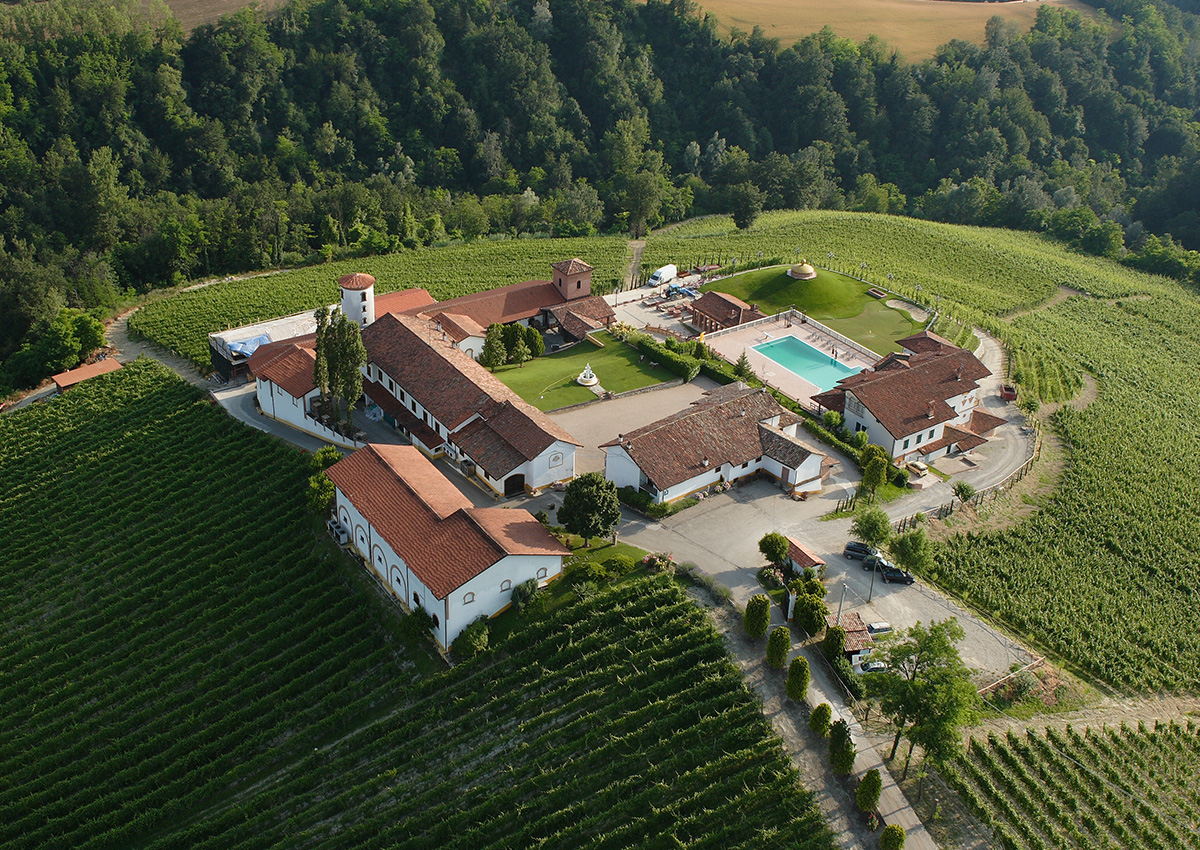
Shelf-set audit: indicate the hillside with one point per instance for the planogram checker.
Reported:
(189, 663)
(139, 155)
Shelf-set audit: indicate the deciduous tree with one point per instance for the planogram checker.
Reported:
(590, 507)
(494, 353)
(872, 527)
(774, 547)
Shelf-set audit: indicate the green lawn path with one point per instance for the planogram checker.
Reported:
(548, 382)
(839, 301)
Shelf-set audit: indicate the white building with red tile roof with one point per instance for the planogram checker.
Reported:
(448, 404)
(733, 432)
(919, 402)
(429, 546)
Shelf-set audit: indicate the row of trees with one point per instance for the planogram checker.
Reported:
(512, 343)
(340, 357)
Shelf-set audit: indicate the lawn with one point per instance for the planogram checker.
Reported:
(834, 299)
(548, 382)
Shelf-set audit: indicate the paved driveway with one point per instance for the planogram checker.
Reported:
(597, 423)
(721, 534)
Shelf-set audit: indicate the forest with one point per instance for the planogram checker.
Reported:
(134, 155)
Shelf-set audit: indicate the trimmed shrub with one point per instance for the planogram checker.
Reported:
(620, 565)
(758, 615)
(809, 613)
(868, 791)
(472, 640)
(841, 748)
(797, 678)
(683, 365)
(418, 624)
(778, 646)
(818, 721)
(834, 642)
(892, 837)
(523, 593)
(854, 682)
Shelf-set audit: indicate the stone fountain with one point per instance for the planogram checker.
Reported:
(587, 377)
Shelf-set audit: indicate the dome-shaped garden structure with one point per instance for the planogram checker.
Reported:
(802, 272)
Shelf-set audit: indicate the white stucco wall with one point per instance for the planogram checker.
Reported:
(620, 469)
(453, 612)
(556, 463)
(291, 411)
(491, 593)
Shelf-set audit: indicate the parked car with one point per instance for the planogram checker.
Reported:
(876, 561)
(916, 467)
(880, 628)
(874, 667)
(856, 550)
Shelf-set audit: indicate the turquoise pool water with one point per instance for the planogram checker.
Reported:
(800, 358)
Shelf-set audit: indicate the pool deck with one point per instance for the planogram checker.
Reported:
(731, 345)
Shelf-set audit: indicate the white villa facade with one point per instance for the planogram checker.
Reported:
(735, 432)
(920, 402)
(429, 546)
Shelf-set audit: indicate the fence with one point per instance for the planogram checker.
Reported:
(994, 491)
(793, 315)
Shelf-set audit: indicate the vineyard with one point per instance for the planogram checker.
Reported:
(1105, 575)
(1108, 788)
(182, 322)
(188, 665)
(985, 271)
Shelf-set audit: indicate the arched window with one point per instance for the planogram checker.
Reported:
(506, 585)
(416, 599)
(435, 621)
(541, 572)
(468, 598)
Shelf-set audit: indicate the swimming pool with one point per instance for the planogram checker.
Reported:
(800, 358)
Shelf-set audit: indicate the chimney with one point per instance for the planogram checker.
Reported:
(704, 462)
(958, 373)
(930, 414)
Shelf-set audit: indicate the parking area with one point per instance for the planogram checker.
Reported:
(721, 534)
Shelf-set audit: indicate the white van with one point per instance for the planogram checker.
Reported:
(664, 275)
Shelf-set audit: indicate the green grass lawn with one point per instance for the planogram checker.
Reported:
(549, 381)
(839, 301)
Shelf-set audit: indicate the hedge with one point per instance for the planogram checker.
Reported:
(682, 365)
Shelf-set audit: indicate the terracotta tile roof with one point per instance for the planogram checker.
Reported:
(356, 281)
(721, 428)
(288, 364)
(782, 446)
(925, 342)
(517, 532)
(803, 557)
(488, 449)
(592, 307)
(984, 423)
(459, 327)
(502, 305)
(72, 377)
(402, 300)
(577, 326)
(571, 266)
(857, 636)
(725, 309)
(452, 386)
(903, 396)
(392, 406)
(951, 436)
(428, 522)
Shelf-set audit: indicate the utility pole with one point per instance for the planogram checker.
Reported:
(842, 600)
(870, 592)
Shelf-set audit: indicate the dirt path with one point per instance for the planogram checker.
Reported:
(1110, 711)
(636, 246)
(790, 721)
(1060, 295)
(129, 349)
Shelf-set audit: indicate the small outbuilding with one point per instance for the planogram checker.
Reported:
(65, 380)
